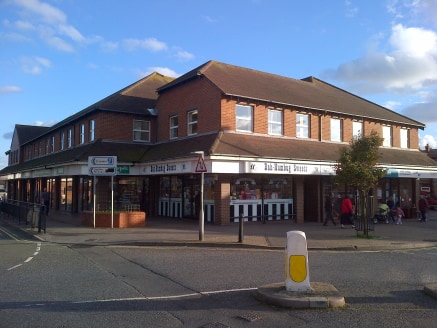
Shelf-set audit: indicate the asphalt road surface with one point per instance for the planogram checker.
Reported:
(54, 285)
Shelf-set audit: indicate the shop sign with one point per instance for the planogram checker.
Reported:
(167, 168)
(123, 169)
(288, 168)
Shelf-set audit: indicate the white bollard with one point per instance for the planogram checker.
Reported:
(297, 278)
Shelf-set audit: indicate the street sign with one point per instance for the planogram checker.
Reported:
(200, 166)
(103, 171)
(102, 165)
(123, 169)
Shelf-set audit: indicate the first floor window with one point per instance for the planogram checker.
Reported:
(174, 127)
(386, 134)
(275, 122)
(336, 129)
(357, 129)
(244, 118)
(192, 122)
(141, 130)
(302, 125)
(404, 138)
(92, 128)
(82, 133)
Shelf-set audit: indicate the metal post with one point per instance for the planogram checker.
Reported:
(112, 201)
(240, 232)
(201, 212)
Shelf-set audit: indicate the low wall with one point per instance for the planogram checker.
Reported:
(121, 219)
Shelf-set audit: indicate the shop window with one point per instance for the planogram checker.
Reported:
(244, 118)
(302, 125)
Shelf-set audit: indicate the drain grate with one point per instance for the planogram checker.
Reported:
(251, 317)
(215, 325)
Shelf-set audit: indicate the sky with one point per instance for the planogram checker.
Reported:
(58, 57)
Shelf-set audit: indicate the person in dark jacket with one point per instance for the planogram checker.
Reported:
(329, 209)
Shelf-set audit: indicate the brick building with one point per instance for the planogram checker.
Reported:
(270, 143)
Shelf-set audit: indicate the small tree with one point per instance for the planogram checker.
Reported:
(357, 167)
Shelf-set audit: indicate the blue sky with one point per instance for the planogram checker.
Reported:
(59, 56)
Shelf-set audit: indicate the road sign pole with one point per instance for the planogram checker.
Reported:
(94, 202)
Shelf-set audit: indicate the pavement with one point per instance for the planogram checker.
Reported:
(162, 231)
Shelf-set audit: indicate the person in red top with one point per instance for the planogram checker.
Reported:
(423, 207)
(347, 211)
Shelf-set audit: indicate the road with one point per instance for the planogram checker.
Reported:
(81, 286)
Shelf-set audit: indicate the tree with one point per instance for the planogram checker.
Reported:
(358, 167)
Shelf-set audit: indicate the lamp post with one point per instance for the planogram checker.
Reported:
(200, 167)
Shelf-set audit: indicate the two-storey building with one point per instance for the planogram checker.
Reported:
(269, 144)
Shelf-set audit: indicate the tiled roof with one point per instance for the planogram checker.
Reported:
(309, 93)
(218, 144)
(28, 132)
(136, 98)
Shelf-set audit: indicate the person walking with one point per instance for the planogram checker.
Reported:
(329, 209)
(399, 214)
(45, 200)
(347, 211)
(423, 207)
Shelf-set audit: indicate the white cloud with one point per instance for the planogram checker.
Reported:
(410, 66)
(184, 55)
(427, 140)
(162, 70)
(35, 65)
(10, 89)
(151, 44)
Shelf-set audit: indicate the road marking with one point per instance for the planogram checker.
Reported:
(30, 258)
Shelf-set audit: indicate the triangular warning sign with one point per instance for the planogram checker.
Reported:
(200, 166)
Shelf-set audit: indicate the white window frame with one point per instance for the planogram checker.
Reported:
(275, 119)
(405, 138)
(174, 126)
(302, 126)
(357, 129)
(336, 129)
(53, 144)
(244, 118)
(387, 135)
(192, 121)
(62, 140)
(92, 130)
(70, 138)
(82, 134)
(141, 130)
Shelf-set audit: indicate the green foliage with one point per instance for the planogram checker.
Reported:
(357, 165)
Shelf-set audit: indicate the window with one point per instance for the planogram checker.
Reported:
(302, 125)
(174, 127)
(192, 122)
(70, 138)
(62, 140)
(405, 140)
(141, 130)
(275, 122)
(244, 118)
(47, 145)
(92, 127)
(336, 132)
(53, 144)
(357, 129)
(82, 133)
(386, 134)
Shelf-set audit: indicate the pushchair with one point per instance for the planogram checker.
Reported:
(382, 215)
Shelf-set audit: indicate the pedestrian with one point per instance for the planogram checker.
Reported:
(391, 204)
(423, 207)
(45, 200)
(329, 209)
(347, 212)
(399, 214)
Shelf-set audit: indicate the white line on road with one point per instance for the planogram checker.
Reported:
(38, 248)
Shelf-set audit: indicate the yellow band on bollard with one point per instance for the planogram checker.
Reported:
(298, 268)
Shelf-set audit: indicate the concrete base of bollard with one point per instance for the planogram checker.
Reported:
(322, 295)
